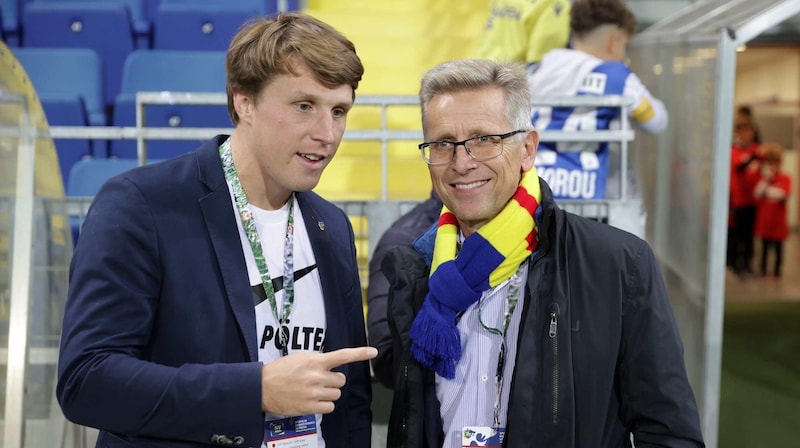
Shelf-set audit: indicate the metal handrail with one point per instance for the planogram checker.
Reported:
(141, 134)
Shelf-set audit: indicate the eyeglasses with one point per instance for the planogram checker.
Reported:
(480, 148)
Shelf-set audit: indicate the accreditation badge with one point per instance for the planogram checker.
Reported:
(291, 432)
(482, 436)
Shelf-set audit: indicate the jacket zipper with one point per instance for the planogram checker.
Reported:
(554, 344)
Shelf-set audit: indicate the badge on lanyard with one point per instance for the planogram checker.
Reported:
(291, 432)
(482, 436)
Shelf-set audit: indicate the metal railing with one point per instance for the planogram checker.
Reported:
(142, 134)
(596, 209)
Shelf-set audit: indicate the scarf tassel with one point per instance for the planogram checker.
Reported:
(436, 342)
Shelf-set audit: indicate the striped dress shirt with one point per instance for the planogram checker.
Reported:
(469, 398)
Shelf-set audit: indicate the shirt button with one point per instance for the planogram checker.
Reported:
(484, 378)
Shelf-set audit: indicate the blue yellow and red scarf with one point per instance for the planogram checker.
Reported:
(459, 277)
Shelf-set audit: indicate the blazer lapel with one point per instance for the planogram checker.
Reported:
(319, 233)
(217, 210)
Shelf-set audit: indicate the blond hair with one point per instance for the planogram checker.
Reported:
(772, 152)
(270, 46)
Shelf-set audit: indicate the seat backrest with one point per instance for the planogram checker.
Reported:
(165, 116)
(136, 8)
(78, 73)
(150, 8)
(177, 71)
(9, 21)
(254, 6)
(67, 110)
(105, 28)
(180, 71)
(87, 176)
(203, 26)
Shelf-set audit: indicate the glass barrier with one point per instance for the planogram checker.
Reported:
(35, 248)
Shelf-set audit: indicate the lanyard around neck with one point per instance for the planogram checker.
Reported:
(251, 232)
(512, 298)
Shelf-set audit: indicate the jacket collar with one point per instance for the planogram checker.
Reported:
(209, 167)
(544, 217)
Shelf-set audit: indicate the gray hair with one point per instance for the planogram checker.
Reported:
(471, 74)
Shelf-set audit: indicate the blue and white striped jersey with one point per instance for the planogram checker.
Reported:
(580, 170)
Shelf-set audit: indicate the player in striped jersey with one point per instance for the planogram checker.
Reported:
(593, 66)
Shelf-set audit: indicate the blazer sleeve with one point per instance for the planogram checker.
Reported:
(105, 379)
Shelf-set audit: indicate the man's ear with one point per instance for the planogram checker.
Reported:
(616, 43)
(611, 44)
(243, 104)
(531, 144)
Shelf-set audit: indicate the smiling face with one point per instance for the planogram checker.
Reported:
(287, 135)
(476, 191)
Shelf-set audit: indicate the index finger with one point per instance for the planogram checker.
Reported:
(343, 356)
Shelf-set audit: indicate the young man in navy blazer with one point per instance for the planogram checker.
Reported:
(214, 299)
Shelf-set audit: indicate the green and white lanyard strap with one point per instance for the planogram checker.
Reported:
(251, 232)
(512, 298)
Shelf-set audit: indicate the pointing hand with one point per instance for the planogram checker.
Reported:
(303, 383)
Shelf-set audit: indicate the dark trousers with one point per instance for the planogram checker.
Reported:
(766, 247)
(740, 242)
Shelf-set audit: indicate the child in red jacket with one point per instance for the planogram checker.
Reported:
(745, 166)
(771, 193)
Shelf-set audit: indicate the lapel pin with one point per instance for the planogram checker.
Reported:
(321, 225)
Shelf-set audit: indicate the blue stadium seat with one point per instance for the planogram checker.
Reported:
(105, 28)
(198, 26)
(67, 110)
(73, 98)
(150, 8)
(86, 178)
(255, 6)
(169, 71)
(9, 22)
(182, 71)
(136, 9)
(79, 74)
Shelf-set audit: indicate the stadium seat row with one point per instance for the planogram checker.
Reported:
(144, 15)
(115, 28)
(74, 97)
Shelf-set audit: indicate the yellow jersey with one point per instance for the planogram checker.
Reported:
(524, 30)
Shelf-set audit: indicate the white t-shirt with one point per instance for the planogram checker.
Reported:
(307, 322)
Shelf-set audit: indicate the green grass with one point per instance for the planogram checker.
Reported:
(760, 390)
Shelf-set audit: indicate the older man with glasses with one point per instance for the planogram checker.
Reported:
(514, 323)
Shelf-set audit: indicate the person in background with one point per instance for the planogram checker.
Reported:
(213, 298)
(745, 167)
(515, 323)
(747, 113)
(401, 232)
(771, 193)
(593, 66)
(524, 30)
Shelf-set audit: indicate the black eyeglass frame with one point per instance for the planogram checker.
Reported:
(424, 145)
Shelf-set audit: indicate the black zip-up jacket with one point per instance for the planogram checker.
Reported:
(402, 232)
(599, 356)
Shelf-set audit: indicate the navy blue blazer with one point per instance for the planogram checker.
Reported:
(159, 343)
